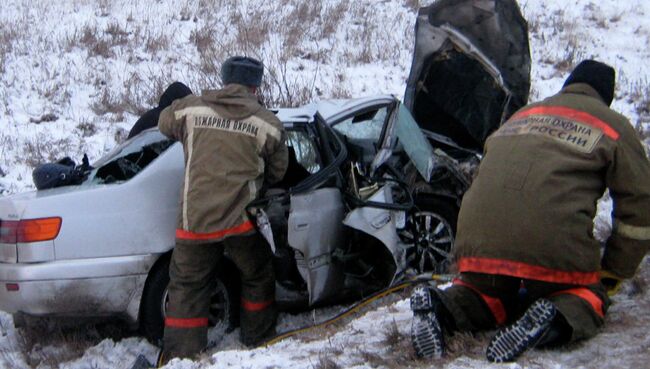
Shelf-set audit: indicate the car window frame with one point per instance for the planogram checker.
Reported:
(391, 107)
(309, 131)
(365, 110)
(334, 154)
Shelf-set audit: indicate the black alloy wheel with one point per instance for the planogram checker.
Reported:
(431, 230)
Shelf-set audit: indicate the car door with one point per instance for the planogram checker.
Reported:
(318, 218)
(315, 224)
(378, 216)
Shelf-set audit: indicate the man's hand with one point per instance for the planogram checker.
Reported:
(611, 282)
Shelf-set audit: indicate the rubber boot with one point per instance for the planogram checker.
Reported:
(527, 332)
(426, 333)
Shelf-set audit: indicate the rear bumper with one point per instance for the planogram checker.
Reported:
(76, 288)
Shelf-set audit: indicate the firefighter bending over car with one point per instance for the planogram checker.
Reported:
(149, 119)
(525, 243)
(232, 146)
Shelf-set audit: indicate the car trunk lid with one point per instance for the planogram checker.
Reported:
(470, 69)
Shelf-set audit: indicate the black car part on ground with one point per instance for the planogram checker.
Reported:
(470, 69)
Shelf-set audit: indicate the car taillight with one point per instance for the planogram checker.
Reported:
(8, 230)
(29, 230)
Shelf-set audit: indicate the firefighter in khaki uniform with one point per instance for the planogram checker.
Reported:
(232, 146)
(525, 242)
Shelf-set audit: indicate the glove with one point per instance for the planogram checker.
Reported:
(611, 282)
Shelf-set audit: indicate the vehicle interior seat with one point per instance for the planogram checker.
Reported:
(295, 173)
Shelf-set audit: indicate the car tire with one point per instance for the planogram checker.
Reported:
(431, 229)
(224, 307)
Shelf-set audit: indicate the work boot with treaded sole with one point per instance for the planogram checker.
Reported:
(426, 333)
(512, 341)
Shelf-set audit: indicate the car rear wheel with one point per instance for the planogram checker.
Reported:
(431, 229)
(224, 313)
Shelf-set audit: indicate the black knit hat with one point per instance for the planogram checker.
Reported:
(242, 70)
(175, 91)
(598, 75)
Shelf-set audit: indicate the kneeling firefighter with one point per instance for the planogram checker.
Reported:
(528, 261)
(232, 146)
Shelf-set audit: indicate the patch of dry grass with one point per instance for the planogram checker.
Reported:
(300, 36)
(104, 8)
(8, 35)
(118, 34)
(106, 102)
(332, 18)
(46, 343)
(559, 26)
(326, 362)
(636, 92)
(392, 335)
(396, 352)
(139, 94)
(639, 97)
(44, 150)
(87, 128)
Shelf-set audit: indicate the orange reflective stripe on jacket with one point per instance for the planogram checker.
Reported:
(241, 228)
(494, 304)
(526, 271)
(569, 113)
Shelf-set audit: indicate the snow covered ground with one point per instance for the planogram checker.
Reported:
(75, 74)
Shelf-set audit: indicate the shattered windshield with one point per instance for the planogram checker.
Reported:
(414, 143)
(366, 126)
(129, 158)
(132, 145)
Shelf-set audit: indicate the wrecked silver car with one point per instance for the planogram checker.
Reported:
(341, 223)
(370, 198)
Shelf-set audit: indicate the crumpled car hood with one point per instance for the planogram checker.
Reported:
(470, 69)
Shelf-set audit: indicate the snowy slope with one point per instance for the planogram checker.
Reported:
(75, 74)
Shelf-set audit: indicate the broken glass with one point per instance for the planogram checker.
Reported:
(130, 158)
